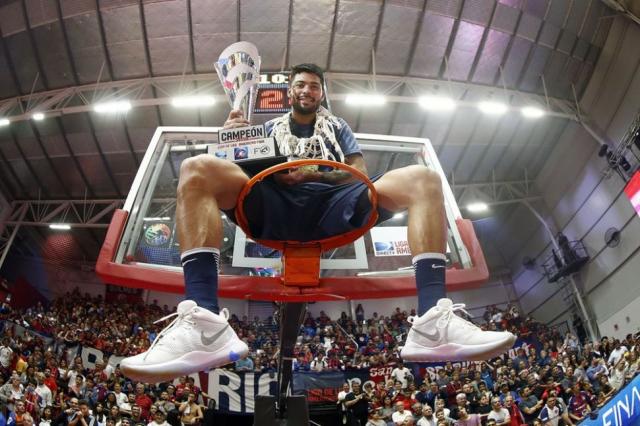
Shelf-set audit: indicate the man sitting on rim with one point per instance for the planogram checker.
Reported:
(305, 205)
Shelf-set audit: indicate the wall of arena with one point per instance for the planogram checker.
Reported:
(583, 204)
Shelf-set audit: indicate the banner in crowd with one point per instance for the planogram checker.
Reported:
(319, 388)
(622, 410)
(236, 391)
(117, 294)
(22, 331)
(233, 391)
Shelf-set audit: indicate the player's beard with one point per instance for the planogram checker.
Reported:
(308, 110)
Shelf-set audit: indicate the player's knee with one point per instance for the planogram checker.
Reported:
(196, 172)
(428, 182)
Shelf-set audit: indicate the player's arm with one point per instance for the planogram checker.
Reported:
(353, 158)
(335, 177)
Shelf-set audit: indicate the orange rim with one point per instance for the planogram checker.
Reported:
(326, 243)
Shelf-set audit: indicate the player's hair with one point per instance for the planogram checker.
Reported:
(310, 68)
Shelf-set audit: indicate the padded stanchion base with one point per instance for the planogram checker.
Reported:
(291, 317)
(297, 411)
(265, 413)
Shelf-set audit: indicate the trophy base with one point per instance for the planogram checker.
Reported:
(253, 167)
(248, 147)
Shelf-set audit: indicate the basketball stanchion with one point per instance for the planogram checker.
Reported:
(301, 263)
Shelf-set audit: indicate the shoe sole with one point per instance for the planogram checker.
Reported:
(188, 363)
(455, 352)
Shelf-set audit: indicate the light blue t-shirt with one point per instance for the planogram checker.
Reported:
(244, 364)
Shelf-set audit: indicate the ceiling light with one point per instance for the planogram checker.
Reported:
(199, 101)
(112, 107)
(532, 112)
(153, 219)
(494, 108)
(437, 103)
(38, 116)
(398, 215)
(477, 207)
(365, 99)
(4, 122)
(60, 226)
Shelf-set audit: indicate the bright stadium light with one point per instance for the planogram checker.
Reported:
(437, 103)
(4, 122)
(365, 99)
(199, 101)
(112, 107)
(477, 207)
(60, 226)
(493, 108)
(38, 116)
(532, 112)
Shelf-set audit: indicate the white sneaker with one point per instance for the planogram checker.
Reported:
(196, 340)
(441, 335)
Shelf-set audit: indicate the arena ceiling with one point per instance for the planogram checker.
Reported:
(470, 49)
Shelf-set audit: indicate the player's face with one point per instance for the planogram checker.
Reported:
(305, 93)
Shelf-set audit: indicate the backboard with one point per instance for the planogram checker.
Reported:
(142, 249)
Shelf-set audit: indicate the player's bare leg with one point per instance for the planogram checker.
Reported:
(437, 334)
(207, 184)
(199, 338)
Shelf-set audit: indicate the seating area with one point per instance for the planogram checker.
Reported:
(44, 382)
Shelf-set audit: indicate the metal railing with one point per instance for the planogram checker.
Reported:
(350, 338)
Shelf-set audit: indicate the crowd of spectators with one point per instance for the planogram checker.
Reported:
(552, 379)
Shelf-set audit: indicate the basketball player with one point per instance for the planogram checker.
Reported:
(304, 205)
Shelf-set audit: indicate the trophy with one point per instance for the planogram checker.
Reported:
(238, 68)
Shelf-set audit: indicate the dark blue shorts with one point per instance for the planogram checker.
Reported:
(307, 212)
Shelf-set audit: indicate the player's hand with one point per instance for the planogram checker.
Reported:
(293, 177)
(235, 119)
(297, 176)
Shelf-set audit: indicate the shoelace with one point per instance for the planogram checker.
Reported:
(180, 318)
(186, 317)
(447, 314)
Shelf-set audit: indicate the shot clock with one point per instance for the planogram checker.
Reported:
(272, 97)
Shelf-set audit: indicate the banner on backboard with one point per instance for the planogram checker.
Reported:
(390, 241)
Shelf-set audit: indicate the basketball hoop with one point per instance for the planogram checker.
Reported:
(301, 260)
